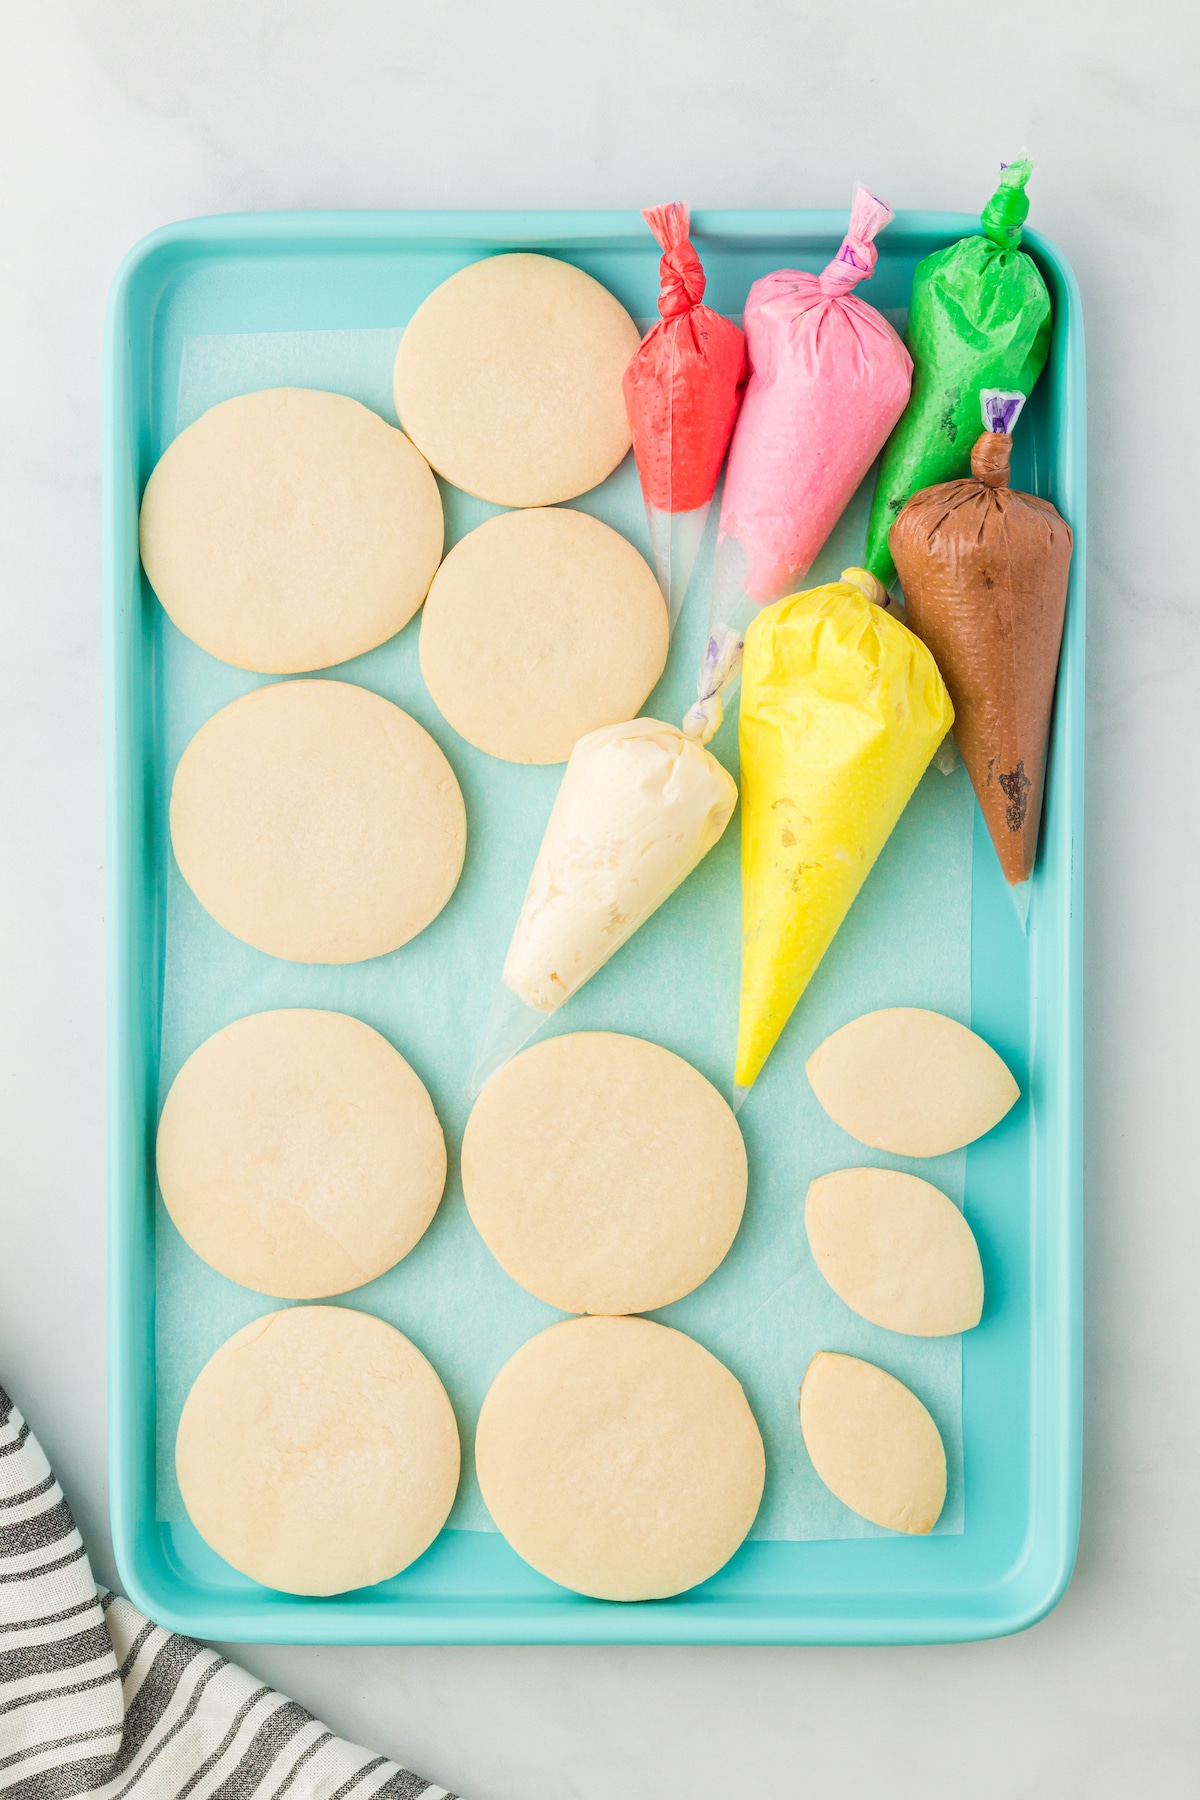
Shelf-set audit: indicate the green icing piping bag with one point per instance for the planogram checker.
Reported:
(979, 318)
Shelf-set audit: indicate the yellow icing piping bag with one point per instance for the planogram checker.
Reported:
(842, 710)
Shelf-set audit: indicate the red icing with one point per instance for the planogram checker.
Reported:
(684, 384)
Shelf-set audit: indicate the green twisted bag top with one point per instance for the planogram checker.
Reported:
(979, 317)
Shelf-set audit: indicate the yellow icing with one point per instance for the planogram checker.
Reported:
(842, 709)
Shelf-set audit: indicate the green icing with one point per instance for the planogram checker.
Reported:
(979, 317)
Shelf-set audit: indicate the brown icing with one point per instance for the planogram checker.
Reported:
(984, 572)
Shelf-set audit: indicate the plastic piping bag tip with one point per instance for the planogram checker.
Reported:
(1022, 894)
(509, 1026)
(739, 1094)
(675, 542)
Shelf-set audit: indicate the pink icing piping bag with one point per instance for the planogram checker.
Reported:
(829, 377)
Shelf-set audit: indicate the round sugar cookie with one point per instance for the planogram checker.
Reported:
(318, 822)
(508, 379)
(539, 627)
(290, 530)
(910, 1081)
(299, 1154)
(896, 1250)
(604, 1173)
(619, 1458)
(317, 1451)
(873, 1443)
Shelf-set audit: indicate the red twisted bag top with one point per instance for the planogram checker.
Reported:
(684, 384)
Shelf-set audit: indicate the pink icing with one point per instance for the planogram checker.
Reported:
(828, 380)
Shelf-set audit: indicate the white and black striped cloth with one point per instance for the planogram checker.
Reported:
(94, 1699)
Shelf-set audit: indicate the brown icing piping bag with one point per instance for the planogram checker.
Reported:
(984, 572)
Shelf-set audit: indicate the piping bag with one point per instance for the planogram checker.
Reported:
(682, 391)
(984, 570)
(979, 317)
(842, 709)
(640, 805)
(828, 379)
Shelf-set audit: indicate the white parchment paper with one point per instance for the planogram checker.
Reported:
(766, 1310)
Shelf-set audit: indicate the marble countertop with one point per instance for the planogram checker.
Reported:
(116, 118)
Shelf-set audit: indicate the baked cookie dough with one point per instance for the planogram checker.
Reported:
(872, 1443)
(317, 822)
(539, 627)
(299, 1154)
(508, 378)
(912, 1082)
(619, 1458)
(896, 1250)
(290, 530)
(604, 1173)
(317, 1451)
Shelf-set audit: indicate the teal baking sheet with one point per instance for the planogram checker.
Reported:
(245, 314)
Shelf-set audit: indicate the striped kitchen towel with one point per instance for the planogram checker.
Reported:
(94, 1699)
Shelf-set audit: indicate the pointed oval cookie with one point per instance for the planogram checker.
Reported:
(872, 1442)
(912, 1082)
(896, 1250)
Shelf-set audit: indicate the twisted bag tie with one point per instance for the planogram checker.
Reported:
(1005, 214)
(680, 272)
(992, 453)
(856, 259)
